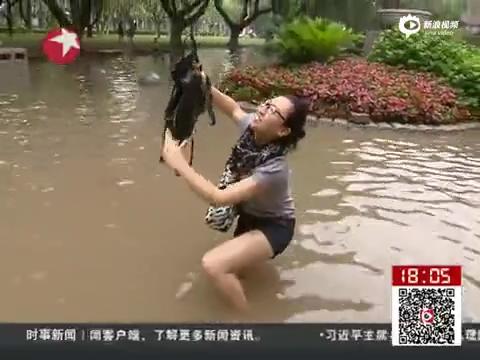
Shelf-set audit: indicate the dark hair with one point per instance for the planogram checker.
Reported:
(296, 121)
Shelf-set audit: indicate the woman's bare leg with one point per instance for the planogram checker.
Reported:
(224, 261)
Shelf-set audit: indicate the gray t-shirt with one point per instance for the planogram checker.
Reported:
(277, 199)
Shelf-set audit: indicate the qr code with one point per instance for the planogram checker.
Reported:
(426, 316)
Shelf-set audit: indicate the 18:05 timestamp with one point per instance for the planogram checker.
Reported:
(413, 275)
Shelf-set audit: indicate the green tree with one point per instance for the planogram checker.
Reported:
(250, 11)
(182, 14)
(83, 14)
(25, 7)
(153, 10)
(8, 13)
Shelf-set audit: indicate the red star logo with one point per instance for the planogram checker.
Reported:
(61, 46)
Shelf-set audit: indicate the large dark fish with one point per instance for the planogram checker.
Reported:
(191, 96)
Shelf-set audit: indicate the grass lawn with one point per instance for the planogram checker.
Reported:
(141, 43)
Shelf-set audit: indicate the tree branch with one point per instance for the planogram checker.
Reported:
(22, 12)
(12, 3)
(38, 10)
(261, 12)
(23, 16)
(85, 13)
(256, 6)
(244, 15)
(166, 7)
(98, 12)
(223, 13)
(184, 6)
(198, 13)
(189, 8)
(75, 12)
(58, 13)
(257, 12)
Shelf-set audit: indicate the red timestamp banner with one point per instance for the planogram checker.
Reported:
(426, 275)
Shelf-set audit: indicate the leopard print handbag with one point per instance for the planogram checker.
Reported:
(221, 218)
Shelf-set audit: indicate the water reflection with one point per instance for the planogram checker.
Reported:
(416, 203)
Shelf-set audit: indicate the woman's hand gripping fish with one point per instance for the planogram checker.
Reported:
(191, 96)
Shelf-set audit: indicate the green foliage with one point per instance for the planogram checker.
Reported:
(455, 61)
(287, 10)
(359, 40)
(241, 93)
(304, 39)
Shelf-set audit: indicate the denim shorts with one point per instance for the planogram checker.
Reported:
(278, 231)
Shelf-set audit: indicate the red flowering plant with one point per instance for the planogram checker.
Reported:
(353, 85)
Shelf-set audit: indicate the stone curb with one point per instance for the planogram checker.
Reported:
(315, 120)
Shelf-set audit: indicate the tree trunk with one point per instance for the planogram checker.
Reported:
(25, 8)
(41, 16)
(79, 30)
(29, 14)
(57, 12)
(176, 29)
(10, 25)
(9, 17)
(81, 13)
(233, 43)
(90, 31)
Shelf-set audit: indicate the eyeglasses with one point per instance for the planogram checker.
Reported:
(271, 109)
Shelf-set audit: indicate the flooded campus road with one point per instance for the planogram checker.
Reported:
(93, 228)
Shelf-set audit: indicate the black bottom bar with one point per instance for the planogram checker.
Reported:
(188, 340)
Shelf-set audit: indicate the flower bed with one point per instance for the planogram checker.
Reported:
(349, 86)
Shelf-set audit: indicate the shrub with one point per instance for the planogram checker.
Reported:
(384, 92)
(304, 39)
(456, 62)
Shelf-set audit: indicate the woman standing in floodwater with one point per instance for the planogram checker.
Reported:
(261, 196)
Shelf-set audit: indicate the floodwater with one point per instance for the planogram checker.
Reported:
(93, 228)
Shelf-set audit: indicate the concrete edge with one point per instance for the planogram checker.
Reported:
(314, 121)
